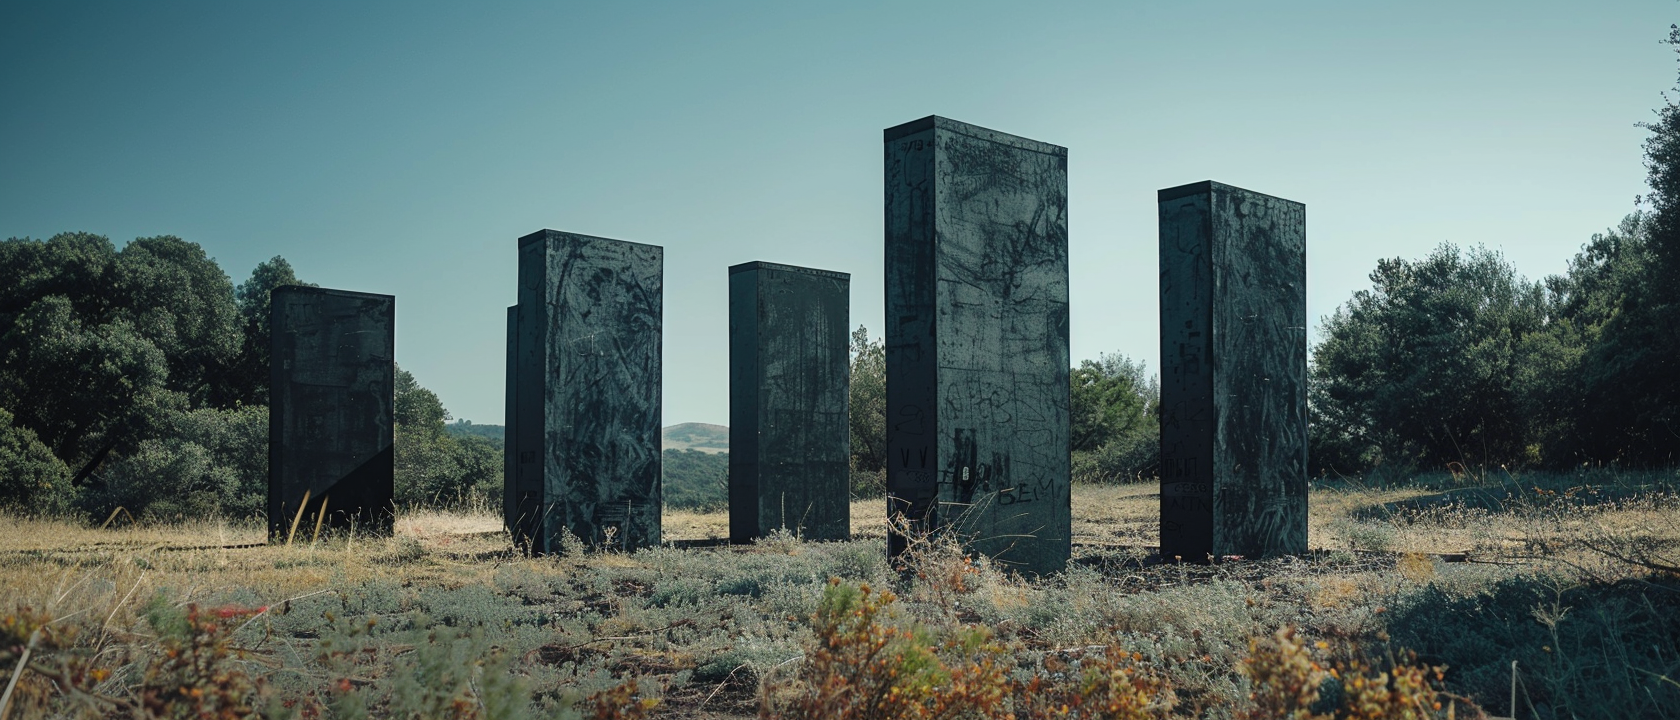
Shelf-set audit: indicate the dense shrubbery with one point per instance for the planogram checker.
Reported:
(32, 479)
(1114, 425)
(207, 461)
(868, 415)
(696, 480)
(138, 378)
(436, 467)
(1456, 359)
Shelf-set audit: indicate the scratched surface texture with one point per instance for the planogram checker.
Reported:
(330, 414)
(1234, 362)
(789, 372)
(587, 403)
(977, 339)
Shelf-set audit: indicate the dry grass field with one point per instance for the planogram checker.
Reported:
(1572, 577)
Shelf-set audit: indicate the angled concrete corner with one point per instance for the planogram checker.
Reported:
(331, 385)
(1234, 373)
(789, 374)
(585, 401)
(977, 340)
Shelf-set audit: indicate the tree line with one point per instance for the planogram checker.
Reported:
(1456, 360)
(138, 379)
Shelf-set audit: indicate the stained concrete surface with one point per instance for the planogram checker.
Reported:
(1234, 363)
(331, 385)
(789, 375)
(977, 340)
(585, 405)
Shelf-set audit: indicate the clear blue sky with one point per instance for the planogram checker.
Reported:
(403, 147)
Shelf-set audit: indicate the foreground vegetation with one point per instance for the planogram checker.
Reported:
(1572, 577)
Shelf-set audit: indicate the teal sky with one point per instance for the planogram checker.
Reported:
(403, 147)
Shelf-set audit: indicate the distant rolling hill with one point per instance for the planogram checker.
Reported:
(696, 466)
(468, 427)
(703, 437)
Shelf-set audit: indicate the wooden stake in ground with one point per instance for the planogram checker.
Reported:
(298, 516)
(319, 516)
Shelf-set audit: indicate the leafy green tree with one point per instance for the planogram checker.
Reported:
(1114, 428)
(478, 463)
(416, 407)
(423, 474)
(433, 466)
(246, 382)
(1631, 373)
(868, 414)
(85, 389)
(1109, 398)
(1423, 367)
(179, 299)
(1562, 372)
(100, 345)
(208, 462)
(32, 480)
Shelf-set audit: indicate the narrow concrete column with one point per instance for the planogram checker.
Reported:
(789, 373)
(515, 499)
(331, 385)
(977, 340)
(1233, 373)
(586, 397)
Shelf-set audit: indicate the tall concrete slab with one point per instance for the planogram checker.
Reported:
(977, 340)
(586, 401)
(511, 495)
(789, 375)
(331, 389)
(1234, 373)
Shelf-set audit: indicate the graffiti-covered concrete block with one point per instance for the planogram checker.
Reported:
(1234, 373)
(977, 340)
(586, 397)
(789, 373)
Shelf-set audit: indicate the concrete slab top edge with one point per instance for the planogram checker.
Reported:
(305, 290)
(547, 233)
(1208, 186)
(975, 131)
(762, 265)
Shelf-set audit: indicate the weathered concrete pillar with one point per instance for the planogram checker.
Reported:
(585, 405)
(789, 373)
(514, 499)
(1233, 373)
(331, 389)
(977, 340)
